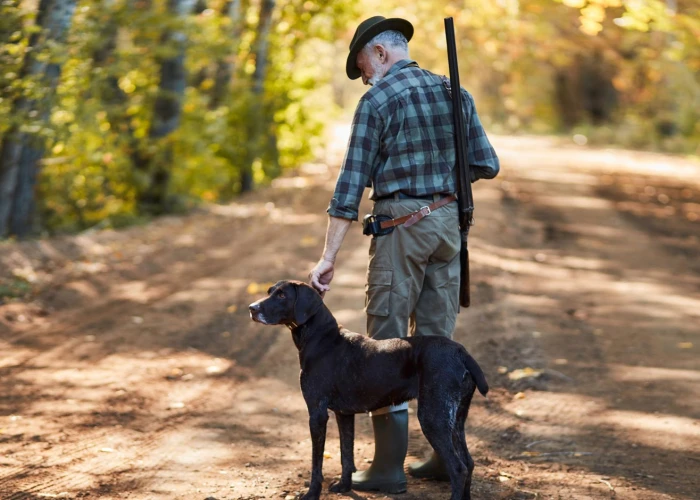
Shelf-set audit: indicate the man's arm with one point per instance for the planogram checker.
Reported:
(360, 161)
(483, 161)
(322, 274)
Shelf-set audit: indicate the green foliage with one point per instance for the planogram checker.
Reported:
(12, 51)
(100, 154)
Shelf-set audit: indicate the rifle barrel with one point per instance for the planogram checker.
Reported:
(464, 184)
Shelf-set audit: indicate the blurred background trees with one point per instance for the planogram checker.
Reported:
(112, 110)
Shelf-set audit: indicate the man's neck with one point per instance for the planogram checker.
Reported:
(393, 58)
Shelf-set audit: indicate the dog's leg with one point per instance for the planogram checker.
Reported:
(346, 428)
(461, 441)
(318, 418)
(438, 428)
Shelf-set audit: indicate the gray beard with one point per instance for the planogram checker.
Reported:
(376, 69)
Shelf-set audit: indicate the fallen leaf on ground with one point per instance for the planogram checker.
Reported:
(607, 483)
(685, 345)
(524, 373)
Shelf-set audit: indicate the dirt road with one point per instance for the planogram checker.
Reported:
(133, 370)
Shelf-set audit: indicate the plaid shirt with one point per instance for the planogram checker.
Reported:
(402, 139)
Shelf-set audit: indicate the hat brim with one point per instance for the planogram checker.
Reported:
(395, 23)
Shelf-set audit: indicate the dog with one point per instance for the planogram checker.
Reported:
(351, 373)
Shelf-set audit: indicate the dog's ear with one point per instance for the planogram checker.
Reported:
(307, 303)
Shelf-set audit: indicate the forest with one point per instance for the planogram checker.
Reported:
(115, 111)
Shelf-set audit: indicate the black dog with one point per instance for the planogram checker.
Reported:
(351, 373)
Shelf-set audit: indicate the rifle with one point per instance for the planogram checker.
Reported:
(464, 185)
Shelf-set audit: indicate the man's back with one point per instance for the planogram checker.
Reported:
(417, 138)
(405, 131)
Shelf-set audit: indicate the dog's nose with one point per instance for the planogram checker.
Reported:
(254, 307)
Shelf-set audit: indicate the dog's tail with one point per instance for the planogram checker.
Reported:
(474, 371)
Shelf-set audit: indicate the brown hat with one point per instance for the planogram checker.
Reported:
(367, 30)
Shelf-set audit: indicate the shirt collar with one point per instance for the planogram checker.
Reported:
(399, 65)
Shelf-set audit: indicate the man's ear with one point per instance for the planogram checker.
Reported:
(307, 303)
(381, 53)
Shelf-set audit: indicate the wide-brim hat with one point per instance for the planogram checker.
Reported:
(367, 30)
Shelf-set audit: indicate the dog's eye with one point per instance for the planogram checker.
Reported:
(281, 295)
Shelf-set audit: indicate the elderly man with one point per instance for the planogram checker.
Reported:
(402, 146)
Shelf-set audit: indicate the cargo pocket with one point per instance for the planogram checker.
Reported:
(378, 291)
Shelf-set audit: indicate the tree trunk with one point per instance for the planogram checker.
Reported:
(258, 122)
(167, 112)
(20, 151)
(225, 66)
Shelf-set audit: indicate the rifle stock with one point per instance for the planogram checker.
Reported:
(464, 295)
(464, 187)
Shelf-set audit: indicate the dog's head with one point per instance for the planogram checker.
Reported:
(289, 303)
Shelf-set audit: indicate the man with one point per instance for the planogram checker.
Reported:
(402, 145)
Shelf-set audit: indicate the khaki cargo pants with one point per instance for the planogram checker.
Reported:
(413, 273)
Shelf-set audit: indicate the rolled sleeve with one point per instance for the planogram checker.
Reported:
(360, 162)
(483, 161)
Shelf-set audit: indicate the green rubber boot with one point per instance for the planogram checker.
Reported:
(390, 446)
(433, 468)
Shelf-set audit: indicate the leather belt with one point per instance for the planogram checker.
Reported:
(412, 218)
(403, 196)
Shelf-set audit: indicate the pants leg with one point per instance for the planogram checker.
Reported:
(438, 303)
(394, 276)
(440, 293)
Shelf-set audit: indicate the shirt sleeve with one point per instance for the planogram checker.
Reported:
(361, 159)
(483, 161)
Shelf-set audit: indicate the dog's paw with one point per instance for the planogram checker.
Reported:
(340, 487)
(312, 494)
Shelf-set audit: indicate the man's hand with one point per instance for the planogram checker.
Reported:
(321, 275)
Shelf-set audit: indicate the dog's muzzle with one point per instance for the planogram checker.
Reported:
(255, 313)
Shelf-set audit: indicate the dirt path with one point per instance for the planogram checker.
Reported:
(135, 372)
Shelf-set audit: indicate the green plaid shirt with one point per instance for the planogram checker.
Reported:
(402, 140)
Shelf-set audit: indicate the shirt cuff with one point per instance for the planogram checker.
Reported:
(335, 209)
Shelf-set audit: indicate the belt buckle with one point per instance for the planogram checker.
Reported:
(425, 211)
